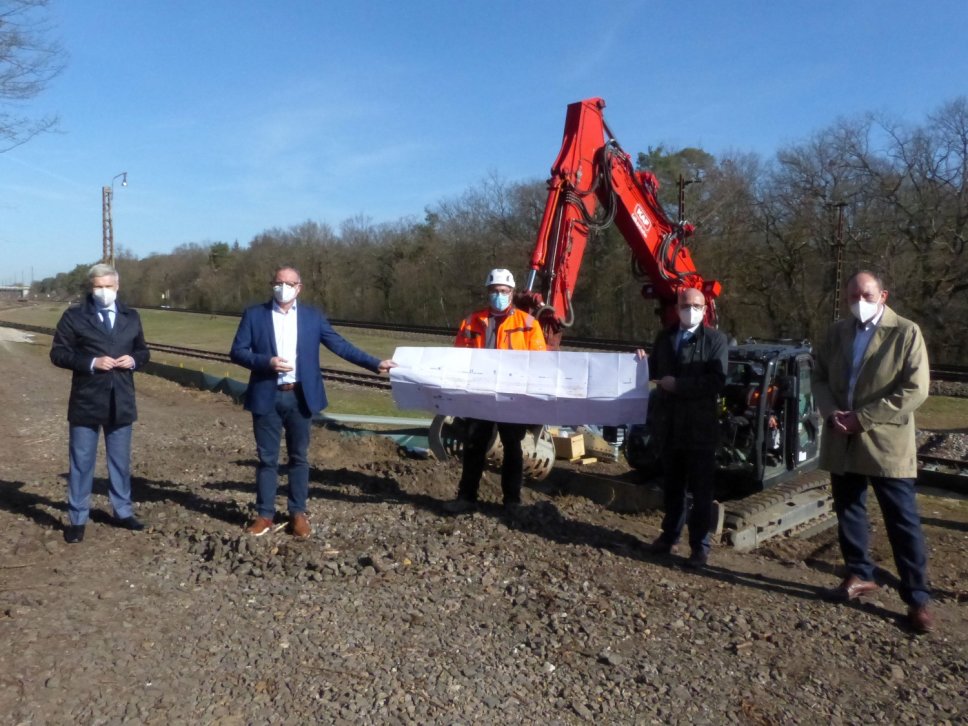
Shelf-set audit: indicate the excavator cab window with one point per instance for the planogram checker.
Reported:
(787, 386)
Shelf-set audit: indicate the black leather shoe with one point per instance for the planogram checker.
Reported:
(697, 560)
(130, 523)
(74, 533)
(661, 546)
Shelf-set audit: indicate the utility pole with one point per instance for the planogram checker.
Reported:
(107, 226)
(839, 260)
(107, 223)
(682, 184)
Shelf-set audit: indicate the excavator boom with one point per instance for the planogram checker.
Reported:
(593, 184)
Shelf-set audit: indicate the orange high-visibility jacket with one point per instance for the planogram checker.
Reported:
(517, 331)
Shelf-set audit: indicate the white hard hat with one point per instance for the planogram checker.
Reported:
(500, 276)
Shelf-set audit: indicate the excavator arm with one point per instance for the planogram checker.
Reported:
(593, 184)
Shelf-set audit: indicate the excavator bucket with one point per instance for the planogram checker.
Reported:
(447, 441)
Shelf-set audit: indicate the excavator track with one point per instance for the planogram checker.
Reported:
(803, 505)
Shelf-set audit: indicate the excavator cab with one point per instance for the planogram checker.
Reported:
(769, 426)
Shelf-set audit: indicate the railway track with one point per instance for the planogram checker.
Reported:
(946, 373)
(943, 473)
(356, 378)
(370, 380)
(934, 471)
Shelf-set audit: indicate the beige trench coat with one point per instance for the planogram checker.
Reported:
(892, 384)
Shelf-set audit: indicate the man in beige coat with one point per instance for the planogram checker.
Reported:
(871, 375)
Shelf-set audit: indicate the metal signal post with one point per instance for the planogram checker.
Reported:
(107, 223)
(839, 257)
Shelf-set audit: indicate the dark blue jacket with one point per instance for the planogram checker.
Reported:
(255, 345)
(99, 397)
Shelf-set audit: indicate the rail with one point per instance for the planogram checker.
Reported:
(945, 373)
(356, 378)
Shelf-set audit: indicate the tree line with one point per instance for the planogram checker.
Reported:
(884, 195)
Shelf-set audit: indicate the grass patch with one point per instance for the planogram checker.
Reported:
(215, 332)
(943, 413)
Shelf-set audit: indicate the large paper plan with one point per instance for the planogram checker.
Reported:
(521, 386)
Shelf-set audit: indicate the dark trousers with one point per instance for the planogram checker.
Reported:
(688, 471)
(82, 450)
(901, 520)
(476, 440)
(293, 416)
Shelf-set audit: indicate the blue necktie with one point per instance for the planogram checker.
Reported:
(106, 320)
(684, 338)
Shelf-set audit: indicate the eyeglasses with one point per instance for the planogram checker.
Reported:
(285, 282)
(697, 306)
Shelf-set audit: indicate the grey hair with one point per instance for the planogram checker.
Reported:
(102, 269)
(280, 268)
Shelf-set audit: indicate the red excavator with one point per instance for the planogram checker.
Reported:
(770, 426)
(592, 186)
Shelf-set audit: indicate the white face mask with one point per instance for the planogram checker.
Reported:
(691, 317)
(105, 296)
(284, 293)
(864, 311)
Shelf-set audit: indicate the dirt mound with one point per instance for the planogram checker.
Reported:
(393, 612)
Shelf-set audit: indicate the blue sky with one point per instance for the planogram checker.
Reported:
(235, 116)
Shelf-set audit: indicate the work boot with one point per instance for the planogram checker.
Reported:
(515, 509)
(459, 505)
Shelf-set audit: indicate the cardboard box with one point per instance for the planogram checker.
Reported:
(569, 446)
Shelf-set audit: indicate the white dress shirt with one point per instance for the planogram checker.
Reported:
(285, 330)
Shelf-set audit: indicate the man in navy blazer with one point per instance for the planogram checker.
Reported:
(278, 341)
(102, 342)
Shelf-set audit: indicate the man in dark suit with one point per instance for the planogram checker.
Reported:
(278, 341)
(689, 363)
(101, 340)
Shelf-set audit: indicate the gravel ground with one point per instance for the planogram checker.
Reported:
(396, 613)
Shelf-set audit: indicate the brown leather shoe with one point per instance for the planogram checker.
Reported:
(259, 526)
(852, 588)
(299, 526)
(920, 619)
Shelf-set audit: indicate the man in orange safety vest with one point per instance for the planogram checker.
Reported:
(504, 327)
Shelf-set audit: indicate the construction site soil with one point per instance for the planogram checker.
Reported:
(394, 612)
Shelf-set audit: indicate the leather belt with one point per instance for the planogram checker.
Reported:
(287, 386)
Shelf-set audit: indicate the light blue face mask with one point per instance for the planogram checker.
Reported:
(499, 301)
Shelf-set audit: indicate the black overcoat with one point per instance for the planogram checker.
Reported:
(99, 397)
(689, 417)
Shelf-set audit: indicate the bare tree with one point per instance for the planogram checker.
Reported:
(29, 60)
